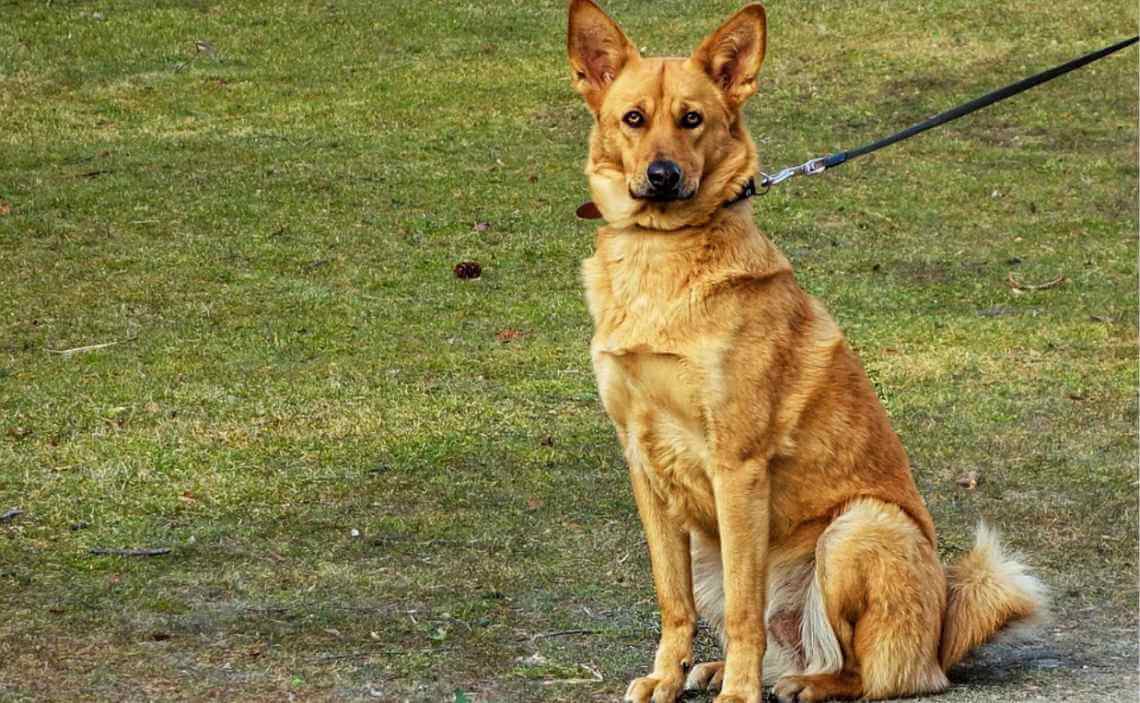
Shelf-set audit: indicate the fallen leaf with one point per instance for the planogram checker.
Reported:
(482, 226)
(467, 270)
(968, 480)
(151, 407)
(5, 207)
(187, 497)
(533, 503)
(508, 335)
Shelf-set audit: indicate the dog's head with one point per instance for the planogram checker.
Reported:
(668, 145)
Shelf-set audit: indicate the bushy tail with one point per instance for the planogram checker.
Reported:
(988, 591)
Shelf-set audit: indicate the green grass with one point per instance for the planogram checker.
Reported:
(268, 233)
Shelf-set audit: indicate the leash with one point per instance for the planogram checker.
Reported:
(814, 167)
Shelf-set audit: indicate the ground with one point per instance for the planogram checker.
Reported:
(231, 329)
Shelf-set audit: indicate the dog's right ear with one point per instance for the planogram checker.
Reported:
(597, 49)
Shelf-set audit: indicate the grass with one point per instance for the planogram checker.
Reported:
(267, 229)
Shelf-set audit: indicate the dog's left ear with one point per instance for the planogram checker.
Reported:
(597, 49)
(732, 55)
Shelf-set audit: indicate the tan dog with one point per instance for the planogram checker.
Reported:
(777, 502)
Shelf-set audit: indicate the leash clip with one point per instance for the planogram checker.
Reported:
(812, 167)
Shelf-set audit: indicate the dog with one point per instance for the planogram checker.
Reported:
(777, 502)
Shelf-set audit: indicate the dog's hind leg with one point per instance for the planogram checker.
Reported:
(880, 592)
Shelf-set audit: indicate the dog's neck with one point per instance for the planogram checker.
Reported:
(638, 264)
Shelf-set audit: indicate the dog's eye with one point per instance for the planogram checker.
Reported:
(691, 120)
(633, 118)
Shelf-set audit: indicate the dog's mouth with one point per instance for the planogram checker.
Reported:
(656, 196)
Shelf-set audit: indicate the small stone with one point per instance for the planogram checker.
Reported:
(968, 480)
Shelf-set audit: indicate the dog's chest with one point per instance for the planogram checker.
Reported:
(654, 400)
(654, 379)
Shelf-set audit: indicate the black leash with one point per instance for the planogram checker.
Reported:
(821, 164)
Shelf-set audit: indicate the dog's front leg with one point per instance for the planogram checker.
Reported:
(741, 494)
(672, 575)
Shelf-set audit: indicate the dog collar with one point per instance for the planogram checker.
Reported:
(748, 192)
(589, 211)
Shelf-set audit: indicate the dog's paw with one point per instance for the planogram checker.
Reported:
(655, 688)
(705, 676)
(814, 688)
(739, 698)
(802, 689)
(787, 689)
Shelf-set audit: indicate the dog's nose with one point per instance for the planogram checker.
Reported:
(664, 176)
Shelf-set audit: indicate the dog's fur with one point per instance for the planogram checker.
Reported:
(777, 502)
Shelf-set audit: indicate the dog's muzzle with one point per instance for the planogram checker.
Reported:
(664, 181)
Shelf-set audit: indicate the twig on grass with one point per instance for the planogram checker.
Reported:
(337, 657)
(355, 655)
(201, 46)
(595, 674)
(89, 347)
(11, 515)
(1017, 285)
(561, 633)
(146, 552)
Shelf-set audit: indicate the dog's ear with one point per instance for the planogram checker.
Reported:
(731, 56)
(597, 49)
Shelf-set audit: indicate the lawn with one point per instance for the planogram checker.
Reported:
(230, 328)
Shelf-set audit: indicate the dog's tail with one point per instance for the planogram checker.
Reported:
(988, 592)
